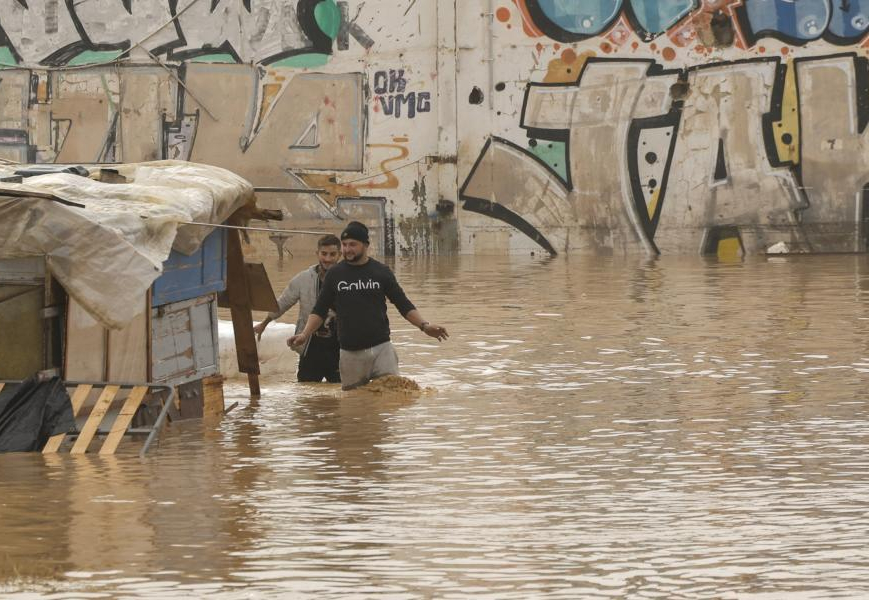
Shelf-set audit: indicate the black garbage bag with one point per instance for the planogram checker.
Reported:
(32, 413)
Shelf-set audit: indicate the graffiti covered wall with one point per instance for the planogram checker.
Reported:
(686, 126)
(485, 126)
(292, 94)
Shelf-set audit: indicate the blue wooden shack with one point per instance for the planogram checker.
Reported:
(173, 342)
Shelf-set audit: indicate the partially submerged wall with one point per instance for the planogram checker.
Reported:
(483, 126)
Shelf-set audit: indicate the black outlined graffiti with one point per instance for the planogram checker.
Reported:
(55, 32)
(713, 163)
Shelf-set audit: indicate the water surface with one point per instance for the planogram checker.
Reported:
(594, 428)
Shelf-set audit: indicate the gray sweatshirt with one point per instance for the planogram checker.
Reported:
(302, 289)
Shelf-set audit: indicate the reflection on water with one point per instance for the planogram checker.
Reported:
(593, 428)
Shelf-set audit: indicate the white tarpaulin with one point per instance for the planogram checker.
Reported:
(107, 254)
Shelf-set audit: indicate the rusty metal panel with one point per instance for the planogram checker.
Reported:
(21, 339)
(184, 340)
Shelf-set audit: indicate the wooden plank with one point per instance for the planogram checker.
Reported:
(205, 355)
(212, 396)
(94, 420)
(78, 397)
(122, 421)
(85, 347)
(262, 296)
(172, 342)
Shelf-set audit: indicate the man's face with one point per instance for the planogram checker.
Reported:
(353, 250)
(328, 256)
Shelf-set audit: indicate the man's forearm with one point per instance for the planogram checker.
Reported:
(313, 324)
(414, 317)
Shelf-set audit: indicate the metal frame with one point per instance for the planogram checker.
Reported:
(155, 429)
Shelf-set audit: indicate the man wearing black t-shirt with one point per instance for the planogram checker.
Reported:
(357, 289)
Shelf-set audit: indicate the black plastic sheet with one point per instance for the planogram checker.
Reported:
(32, 412)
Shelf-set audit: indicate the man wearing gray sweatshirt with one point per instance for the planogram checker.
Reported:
(318, 358)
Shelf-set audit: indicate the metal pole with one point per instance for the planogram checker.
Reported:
(159, 422)
(291, 190)
(254, 228)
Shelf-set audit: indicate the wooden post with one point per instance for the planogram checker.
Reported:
(238, 296)
(212, 399)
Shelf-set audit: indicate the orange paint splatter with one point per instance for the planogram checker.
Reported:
(568, 56)
(560, 71)
(606, 47)
(539, 47)
(635, 45)
(557, 46)
(391, 181)
(761, 49)
(668, 53)
(503, 14)
(785, 50)
(653, 46)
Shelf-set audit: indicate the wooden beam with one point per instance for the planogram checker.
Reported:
(78, 397)
(94, 420)
(238, 296)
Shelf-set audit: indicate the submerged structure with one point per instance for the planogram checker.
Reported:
(112, 275)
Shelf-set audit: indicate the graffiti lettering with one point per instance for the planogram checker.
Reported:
(389, 88)
(138, 113)
(350, 28)
(52, 33)
(643, 173)
(391, 83)
(391, 105)
(800, 22)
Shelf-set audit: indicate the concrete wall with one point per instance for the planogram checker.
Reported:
(484, 126)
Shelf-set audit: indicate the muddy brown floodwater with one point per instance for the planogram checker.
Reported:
(594, 428)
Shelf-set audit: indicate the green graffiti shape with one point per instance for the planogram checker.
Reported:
(219, 57)
(303, 61)
(553, 154)
(89, 57)
(328, 17)
(7, 59)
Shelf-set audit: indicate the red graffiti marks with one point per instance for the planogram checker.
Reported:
(714, 25)
(620, 32)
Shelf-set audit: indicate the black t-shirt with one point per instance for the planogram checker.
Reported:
(358, 295)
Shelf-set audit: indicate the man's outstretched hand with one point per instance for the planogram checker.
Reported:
(436, 331)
